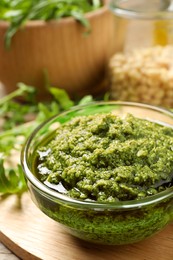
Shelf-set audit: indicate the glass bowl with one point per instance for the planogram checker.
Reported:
(112, 223)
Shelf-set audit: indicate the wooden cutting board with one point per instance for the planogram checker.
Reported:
(32, 235)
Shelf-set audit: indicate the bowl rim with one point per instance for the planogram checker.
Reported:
(132, 14)
(61, 198)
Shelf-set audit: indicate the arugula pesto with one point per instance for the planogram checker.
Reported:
(108, 158)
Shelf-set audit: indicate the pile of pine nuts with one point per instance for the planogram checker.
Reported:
(144, 75)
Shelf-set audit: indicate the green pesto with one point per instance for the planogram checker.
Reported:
(111, 227)
(108, 158)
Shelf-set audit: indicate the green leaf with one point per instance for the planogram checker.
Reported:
(46, 111)
(11, 181)
(22, 90)
(96, 3)
(106, 96)
(62, 97)
(14, 132)
(85, 100)
(81, 18)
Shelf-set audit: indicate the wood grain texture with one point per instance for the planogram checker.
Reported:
(32, 235)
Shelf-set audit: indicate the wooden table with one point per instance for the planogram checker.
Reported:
(6, 254)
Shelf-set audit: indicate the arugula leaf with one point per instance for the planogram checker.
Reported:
(9, 107)
(85, 100)
(47, 111)
(11, 181)
(61, 96)
(14, 129)
(22, 90)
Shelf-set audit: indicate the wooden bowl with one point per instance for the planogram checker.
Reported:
(73, 61)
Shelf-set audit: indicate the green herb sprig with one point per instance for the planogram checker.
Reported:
(15, 129)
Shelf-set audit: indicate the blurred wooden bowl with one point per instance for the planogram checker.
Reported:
(73, 61)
